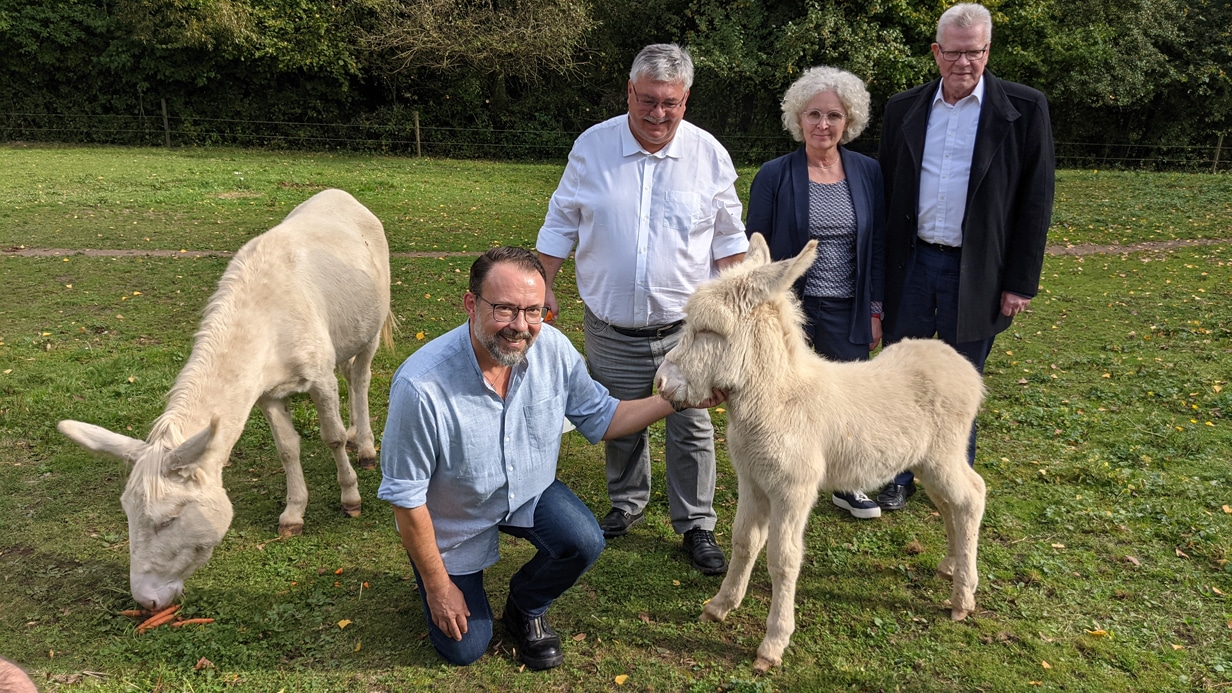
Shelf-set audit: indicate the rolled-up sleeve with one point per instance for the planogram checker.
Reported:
(559, 232)
(408, 447)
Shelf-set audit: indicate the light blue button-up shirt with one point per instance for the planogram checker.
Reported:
(476, 460)
(945, 169)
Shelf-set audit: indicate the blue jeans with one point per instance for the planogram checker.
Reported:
(569, 542)
(929, 307)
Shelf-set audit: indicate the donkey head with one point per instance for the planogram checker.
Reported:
(178, 510)
(736, 326)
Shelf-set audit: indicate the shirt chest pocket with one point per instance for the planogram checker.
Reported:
(682, 211)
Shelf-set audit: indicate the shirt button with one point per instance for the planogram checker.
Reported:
(511, 467)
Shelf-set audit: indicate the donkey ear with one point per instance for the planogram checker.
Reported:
(99, 440)
(759, 252)
(777, 277)
(185, 459)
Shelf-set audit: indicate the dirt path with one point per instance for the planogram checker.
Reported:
(1081, 249)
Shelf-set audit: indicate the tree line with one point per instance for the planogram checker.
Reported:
(534, 73)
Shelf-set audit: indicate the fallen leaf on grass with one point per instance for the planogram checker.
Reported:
(1133, 560)
(1226, 508)
(1098, 632)
(1177, 647)
(344, 623)
(203, 663)
(1058, 546)
(644, 617)
(1045, 664)
(358, 645)
(1181, 554)
(1216, 590)
(579, 637)
(620, 680)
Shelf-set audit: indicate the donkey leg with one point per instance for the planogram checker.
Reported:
(962, 491)
(785, 553)
(291, 522)
(748, 537)
(359, 376)
(324, 394)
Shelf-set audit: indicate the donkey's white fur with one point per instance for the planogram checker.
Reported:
(798, 424)
(306, 297)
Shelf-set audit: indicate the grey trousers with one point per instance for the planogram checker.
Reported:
(626, 367)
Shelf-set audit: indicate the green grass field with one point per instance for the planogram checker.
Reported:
(1105, 549)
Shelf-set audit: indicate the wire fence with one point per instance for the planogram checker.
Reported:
(412, 138)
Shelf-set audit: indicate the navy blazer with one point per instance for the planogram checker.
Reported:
(1009, 200)
(779, 210)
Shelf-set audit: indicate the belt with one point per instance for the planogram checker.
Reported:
(938, 247)
(654, 332)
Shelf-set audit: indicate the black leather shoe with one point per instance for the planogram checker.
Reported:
(617, 522)
(706, 555)
(538, 646)
(894, 496)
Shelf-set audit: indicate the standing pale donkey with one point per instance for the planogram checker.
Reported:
(306, 297)
(798, 424)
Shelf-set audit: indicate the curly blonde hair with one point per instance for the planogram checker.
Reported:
(815, 80)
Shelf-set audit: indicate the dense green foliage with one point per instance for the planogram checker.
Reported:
(520, 78)
(1105, 549)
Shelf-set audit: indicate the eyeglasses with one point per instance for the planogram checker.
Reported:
(503, 312)
(650, 104)
(833, 118)
(972, 56)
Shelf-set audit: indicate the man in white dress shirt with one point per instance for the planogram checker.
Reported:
(649, 202)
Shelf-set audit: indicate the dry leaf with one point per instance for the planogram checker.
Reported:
(1058, 546)
(358, 645)
(1098, 632)
(645, 617)
(1226, 508)
(1216, 590)
(719, 410)
(203, 663)
(676, 583)
(1181, 554)
(1177, 647)
(344, 623)
(1045, 664)
(419, 335)
(579, 637)
(338, 571)
(620, 680)
(1133, 560)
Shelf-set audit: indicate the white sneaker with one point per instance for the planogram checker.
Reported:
(858, 504)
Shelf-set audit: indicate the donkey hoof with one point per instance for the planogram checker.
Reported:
(367, 463)
(959, 614)
(712, 615)
(350, 510)
(761, 665)
(288, 531)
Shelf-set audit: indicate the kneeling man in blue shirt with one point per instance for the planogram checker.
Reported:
(470, 449)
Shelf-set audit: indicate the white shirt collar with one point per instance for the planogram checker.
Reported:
(978, 93)
(630, 146)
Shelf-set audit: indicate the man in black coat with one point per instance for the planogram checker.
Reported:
(968, 166)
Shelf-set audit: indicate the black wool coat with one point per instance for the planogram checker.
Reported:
(1009, 199)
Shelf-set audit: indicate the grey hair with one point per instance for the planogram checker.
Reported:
(964, 15)
(815, 80)
(663, 62)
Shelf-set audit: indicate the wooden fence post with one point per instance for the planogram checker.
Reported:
(418, 152)
(166, 126)
(1218, 146)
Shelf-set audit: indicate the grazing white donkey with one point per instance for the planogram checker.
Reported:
(306, 297)
(798, 424)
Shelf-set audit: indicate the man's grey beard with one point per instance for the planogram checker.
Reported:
(506, 358)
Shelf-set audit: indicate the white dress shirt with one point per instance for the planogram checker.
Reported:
(946, 167)
(648, 227)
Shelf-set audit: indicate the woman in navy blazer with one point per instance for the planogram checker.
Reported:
(824, 191)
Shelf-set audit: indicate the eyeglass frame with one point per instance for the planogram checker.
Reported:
(525, 312)
(983, 52)
(832, 118)
(666, 105)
